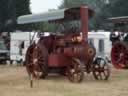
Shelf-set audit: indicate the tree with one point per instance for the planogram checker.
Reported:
(23, 8)
(119, 8)
(71, 3)
(114, 8)
(7, 16)
(9, 11)
(104, 9)
(96, 5)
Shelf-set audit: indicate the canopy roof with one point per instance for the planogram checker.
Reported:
(61, 15)
(120, 23)
(119, 19)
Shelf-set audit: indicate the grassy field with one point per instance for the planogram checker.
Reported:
(15, 82)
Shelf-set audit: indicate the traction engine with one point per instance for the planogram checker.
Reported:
(67, 54)
(119, 53)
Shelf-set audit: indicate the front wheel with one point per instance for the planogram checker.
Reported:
(101, 70)
(75, 71)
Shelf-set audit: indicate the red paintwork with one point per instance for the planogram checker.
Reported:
(57, 60)
(84, 22)
(76, 51)
(65, 49)
(48, 42)
(69, 52)
(119, 55)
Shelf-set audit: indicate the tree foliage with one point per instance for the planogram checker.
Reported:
(9, 11)
(114, 8)
(118, 8)
(23, 8)
(96, 5)
(103, 10)
(7, 15)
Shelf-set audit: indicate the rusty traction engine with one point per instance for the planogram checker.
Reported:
(66, 54)
(119, 53)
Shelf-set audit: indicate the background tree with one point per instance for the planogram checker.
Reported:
(104, 9)
(96, 5)
(9, 11)
(114, 8)
(7, 15)
(23, 8)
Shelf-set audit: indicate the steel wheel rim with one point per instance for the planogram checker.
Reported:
(39, 61)
(101, 70)
(75, 72)
(117, 55)
(28, 59)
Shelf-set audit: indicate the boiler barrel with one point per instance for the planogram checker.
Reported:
(80, 51)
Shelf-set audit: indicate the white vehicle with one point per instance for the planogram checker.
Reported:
(19, 43)
(100, 40)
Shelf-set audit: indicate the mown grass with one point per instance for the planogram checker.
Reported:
(15, 82)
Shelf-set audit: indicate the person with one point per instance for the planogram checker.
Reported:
(114, 37)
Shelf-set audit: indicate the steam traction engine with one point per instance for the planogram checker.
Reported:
(119, 38)
(69, 53)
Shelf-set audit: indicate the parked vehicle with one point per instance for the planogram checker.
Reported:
(100, 40)
(67, 53)
(19, 43)
(119, 53)
(4, 52)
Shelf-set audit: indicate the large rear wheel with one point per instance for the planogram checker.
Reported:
(29, 59)
(40, 61)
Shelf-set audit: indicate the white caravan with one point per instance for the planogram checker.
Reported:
(19, 43)
(100, 40)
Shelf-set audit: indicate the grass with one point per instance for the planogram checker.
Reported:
(15, 82)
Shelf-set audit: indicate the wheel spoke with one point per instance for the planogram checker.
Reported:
(39, 55)
(105, 73)
(101, 76)
(75, 72)
(118, 55)
(100, 71)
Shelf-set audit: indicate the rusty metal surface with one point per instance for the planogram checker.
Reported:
(61, 55)
(84, 22)
(67, 54)
(119, 55)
